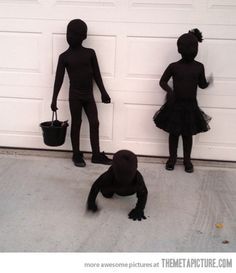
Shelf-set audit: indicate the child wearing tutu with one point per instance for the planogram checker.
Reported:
(181, 115)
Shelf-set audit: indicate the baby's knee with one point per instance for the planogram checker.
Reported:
(107, 194)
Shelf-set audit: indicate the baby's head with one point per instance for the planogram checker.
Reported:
(188, 44)
(76, 32)
(124, 165)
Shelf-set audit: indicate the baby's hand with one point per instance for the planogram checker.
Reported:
(92, 207)
(137, 214)
(210, 79)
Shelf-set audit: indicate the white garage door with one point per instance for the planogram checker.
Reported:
(135, 40)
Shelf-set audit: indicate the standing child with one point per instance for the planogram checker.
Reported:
(82, 67)
(180, 115)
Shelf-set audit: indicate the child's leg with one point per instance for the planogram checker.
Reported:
(76, 119)
(187, 146)
(107, 193)
(173, 145)
(90, 109)
(92, 114)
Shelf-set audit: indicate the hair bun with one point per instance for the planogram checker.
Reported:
(197, 33)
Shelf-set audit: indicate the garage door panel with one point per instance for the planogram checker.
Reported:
(223, 128)
(139, 126)
(146, 57)
(20, 115)
(219, 57)
(19, 52)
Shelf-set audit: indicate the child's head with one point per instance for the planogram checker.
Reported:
(76, 32)
(124, 165)
(188, 44)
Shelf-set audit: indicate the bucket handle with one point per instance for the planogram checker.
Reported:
(54, 113)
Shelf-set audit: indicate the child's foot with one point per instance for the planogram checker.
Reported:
(170, 164)
(188, 166)
(101, 158)
(79, 160)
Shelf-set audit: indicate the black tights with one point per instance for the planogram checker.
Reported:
(187, 146)
(90, 109)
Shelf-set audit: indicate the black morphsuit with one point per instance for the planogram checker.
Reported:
(124, 179)
(180, 115)
(82, 67)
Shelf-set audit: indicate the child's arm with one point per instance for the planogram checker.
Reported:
(98, 79)
(96, 187)
(60, 72)
(164, 84)
(202, 82)
(165, 78)
(138, 212)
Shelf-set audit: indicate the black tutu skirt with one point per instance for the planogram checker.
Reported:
(182, 117)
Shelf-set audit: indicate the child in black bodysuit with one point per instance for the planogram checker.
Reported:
(122, 178)
(180, 115)
(82, 67)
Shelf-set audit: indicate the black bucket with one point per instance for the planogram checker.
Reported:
(54, 131)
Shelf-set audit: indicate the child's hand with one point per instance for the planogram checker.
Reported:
(54, 106)
(106, 98)
(137, 214)
(210, 79)
(92, 207)
(170, 97)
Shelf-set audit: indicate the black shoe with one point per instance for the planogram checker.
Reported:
(101, 158)
(78, 160)
(188, 167)
(170, 164)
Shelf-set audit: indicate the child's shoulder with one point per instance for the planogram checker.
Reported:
(174, 64)
(89, 50)
(198, 63)
(62, 57)
(84, 50)
(63, 54)
(199, 66)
